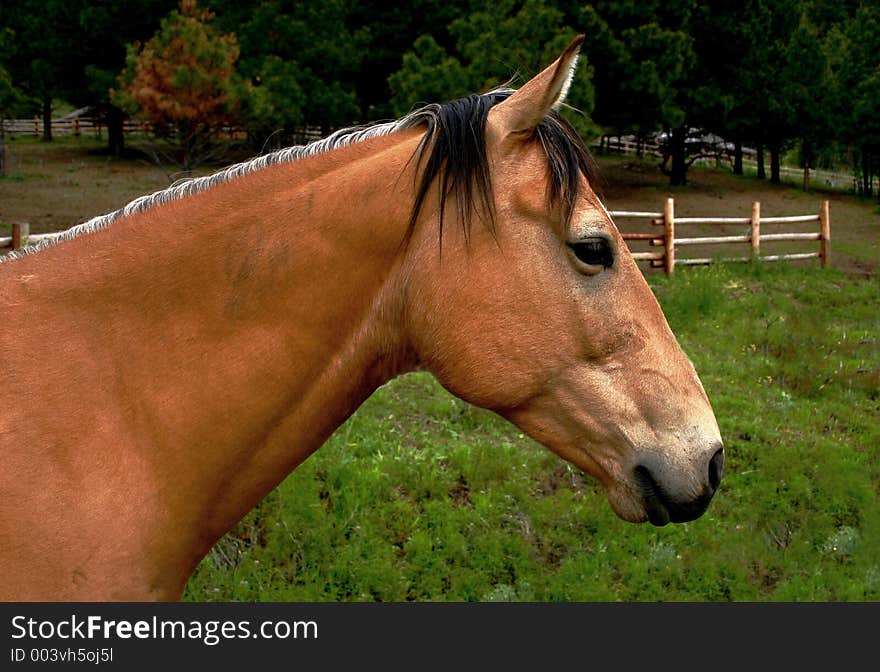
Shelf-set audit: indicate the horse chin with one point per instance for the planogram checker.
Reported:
(633, 508)
(646, 501)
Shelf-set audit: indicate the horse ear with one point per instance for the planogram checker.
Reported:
(526, 108)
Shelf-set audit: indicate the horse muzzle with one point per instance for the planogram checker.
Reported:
(661, 500)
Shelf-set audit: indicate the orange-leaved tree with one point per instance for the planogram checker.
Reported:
(182, 82)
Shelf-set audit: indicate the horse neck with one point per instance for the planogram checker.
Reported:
(238, 327)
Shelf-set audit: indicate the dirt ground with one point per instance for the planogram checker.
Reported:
(56, 185)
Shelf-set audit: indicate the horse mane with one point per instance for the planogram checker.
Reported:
(453, 151)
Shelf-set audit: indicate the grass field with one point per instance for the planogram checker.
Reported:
(420, 496)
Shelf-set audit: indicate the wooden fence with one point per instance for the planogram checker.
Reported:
(21, 237)
(667, 259)
(76, 126)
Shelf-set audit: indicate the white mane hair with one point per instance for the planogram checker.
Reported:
(188, 186)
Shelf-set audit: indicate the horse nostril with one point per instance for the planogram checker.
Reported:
(716, 468)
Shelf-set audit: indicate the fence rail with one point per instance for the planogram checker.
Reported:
(666, 259)
(21, 237)
(76, 126)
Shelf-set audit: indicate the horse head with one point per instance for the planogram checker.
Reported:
(532, 305)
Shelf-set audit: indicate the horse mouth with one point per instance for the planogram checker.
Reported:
(652, 497)
(661, 508)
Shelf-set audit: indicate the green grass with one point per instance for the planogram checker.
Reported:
(420, 496)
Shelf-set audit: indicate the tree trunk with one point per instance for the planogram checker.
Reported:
(4, 156)
(807, 154)
(677, 149)
(762, 173)
(115, 130)
(775, 152)
(47, 119)
(737, 157)
(874, 165)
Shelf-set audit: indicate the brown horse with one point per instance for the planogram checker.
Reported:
(199, 344)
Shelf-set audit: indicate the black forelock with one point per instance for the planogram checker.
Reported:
(453, 154)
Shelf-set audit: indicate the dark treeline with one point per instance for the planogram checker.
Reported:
(773, 75)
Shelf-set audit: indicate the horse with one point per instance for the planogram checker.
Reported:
(204, 340)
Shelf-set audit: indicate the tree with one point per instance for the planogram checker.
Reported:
(44, 62)
(301, 63)
(647, 78)
(106, 28)
(503, 42)
(804, 87)
(390, 30)
(767, 27)
(182, 82)
(858, 78)
(428, 74)
(73, 50)
(11, 98)
(721, 46)
(276, 100)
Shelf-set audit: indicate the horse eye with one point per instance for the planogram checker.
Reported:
(593, 252)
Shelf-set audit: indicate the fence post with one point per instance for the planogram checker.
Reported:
(20, 232)
(36, 126)
(825, 232)
(756, 229)
(669, 236)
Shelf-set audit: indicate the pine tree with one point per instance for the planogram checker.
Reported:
(182, 82)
